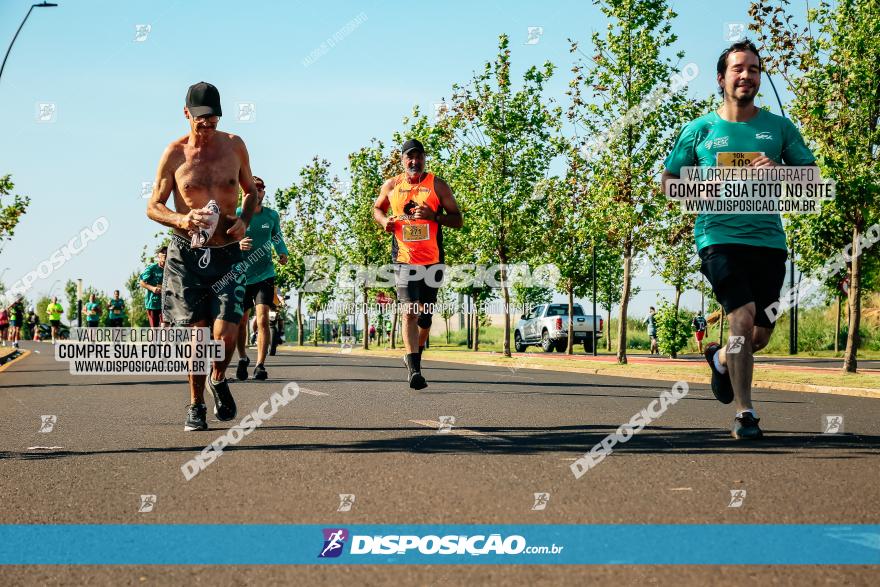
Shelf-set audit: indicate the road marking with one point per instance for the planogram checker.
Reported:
(44, 447)
(680, 489)
(311, 391)
(458, 431)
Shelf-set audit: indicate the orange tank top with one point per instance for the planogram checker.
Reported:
(416, 241)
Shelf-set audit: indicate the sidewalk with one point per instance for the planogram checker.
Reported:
(804, 379)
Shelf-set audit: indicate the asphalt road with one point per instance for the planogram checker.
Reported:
(359, 430)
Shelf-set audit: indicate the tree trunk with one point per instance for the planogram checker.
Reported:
(366, 322)
(506, 293)
(850, 364)
(837, 328)
(570, 344)
(624, 305)
(394, 328)
(476, 327)
(300, 335)
(674, 353)
(608, 330)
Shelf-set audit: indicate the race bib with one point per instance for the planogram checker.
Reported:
(735, 158)
(415, 232)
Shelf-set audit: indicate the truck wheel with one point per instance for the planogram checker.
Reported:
(562, 345)
(588, 344)
(546, 343)
(518, 343)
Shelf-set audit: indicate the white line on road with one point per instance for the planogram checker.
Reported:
(458, 431)
(44, 447)
(311, 391)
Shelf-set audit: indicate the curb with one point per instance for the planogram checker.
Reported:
(16, 356)
(772, 385)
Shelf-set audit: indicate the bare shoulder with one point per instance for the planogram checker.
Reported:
(440, 183)
(175, 150)
(390, 183)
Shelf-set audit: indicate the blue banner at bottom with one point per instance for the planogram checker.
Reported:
(258, 544)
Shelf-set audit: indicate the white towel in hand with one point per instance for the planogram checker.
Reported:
(202, 235)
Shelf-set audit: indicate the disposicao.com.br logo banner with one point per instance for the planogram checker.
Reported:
(499, 544)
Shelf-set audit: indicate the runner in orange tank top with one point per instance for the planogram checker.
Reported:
(413, 206)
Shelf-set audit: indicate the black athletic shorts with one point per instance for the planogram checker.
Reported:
(55, 323)
(114, 322)
(261, 292)
(202, 284)
(412, 288)
(740, 274)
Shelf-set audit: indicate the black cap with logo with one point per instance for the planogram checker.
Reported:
(410, 145)
(203, 99)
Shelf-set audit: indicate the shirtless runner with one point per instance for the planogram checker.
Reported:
(201, 286)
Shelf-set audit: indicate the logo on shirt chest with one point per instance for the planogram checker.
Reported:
(764, 136)
(716, 142)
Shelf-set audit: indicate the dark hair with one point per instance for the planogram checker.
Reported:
(744, 45)
(259, 179)
(163, 249)
(650, 307)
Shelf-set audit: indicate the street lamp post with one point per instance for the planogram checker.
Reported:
(40, 5)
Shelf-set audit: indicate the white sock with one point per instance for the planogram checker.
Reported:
(721, 368)
(751, 411)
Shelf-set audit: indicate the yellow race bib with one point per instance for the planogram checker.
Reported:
(735, 158)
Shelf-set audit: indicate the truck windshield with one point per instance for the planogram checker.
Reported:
(562, 310)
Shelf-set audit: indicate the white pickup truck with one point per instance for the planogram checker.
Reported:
(547, 326)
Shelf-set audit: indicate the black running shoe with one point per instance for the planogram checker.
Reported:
(224, 404)
(417, 381)
(260, 373)
(745, 427)
(721, 386)
(241, 370)
(196, 418)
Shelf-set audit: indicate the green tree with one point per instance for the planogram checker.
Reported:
(673, 329)
(10, 214)
(307, 224)
(830, 66)
(507, 135)
(636, 107)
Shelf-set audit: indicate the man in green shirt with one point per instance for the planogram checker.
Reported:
(93, 312)
(742, 255)
(151, 280)
(16, 316)
(54, 310)
(263, 234)
(116, 311)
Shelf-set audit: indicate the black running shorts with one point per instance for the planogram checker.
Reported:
(202, 284)
(740, 274)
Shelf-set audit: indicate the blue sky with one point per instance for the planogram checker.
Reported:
(118, 102)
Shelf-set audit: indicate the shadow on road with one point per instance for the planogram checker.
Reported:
(503, 440)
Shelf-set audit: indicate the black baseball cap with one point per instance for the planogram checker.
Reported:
(203, 99)
(410, 145)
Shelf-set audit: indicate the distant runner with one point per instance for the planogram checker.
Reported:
(54, 311)
(699, 325)
(93, 312)
(263, 235)
(420, 204)
(115, 310)
(151, 280)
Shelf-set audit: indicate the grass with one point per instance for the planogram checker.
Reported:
(815, 337)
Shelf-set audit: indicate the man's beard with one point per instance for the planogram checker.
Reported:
(747, 99)
(415, 169)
